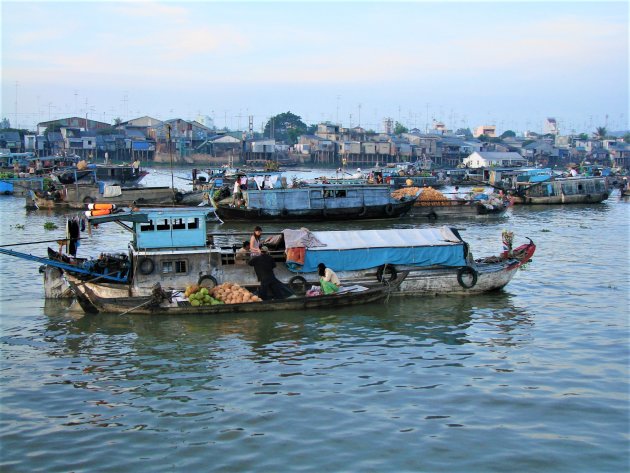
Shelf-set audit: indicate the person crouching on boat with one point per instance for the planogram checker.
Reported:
(270, 286)
(328, 280)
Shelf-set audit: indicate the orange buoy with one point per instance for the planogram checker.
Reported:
(97, 213)
(101, 206)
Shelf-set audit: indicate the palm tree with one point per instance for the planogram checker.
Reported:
(601, 132)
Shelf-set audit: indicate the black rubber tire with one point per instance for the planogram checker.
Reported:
(363, 212)
(179, 197)
(284, 212)
(605, 195)
(146, 266)
(432, 216)
(88, 200)
(386, 269)
(207, 281)
(470, 271)
(298, 285)
(389, 210)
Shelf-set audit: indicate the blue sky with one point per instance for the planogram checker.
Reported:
(511, 64)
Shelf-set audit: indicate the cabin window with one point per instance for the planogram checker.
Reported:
(178, 224)
(181, 266)
(112, 172)
(316, 194)
(164, 226)
(167, 267)
(340, 193)
(193, 223)
(580, 187)
(147, 227)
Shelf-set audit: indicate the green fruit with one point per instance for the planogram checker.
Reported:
(204, 291)
(195, 302)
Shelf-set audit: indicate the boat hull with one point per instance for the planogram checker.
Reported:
(144, 305)
(395, 210)
(456, 209)
(594, 198)
(76, 196)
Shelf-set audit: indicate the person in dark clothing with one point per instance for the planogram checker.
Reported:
(270, 286)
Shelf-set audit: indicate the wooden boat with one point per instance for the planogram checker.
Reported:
(453, 209)
(109, 173)
(171, 303)
(549, 190)
(171, 246)
(316, 202)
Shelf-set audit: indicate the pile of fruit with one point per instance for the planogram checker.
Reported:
(431, 197)
(199, 296)
(231, 293)
(405, 192)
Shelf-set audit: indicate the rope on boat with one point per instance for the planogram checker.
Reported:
(38, 242)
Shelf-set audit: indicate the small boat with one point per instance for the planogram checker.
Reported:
(453, 209)
(172, 303)
(108, 173)
(316, 202)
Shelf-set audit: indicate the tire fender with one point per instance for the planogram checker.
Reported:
(383, 270)
(298, 285)
(461, 272)
(146, 265)
(389, 210)
(207, 281)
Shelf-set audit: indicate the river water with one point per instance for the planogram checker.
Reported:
(532, 378)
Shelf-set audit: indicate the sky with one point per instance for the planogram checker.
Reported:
(470, 63)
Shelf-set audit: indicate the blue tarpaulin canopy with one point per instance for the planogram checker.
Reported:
(357, 250)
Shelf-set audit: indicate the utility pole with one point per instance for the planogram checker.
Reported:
(16, 105)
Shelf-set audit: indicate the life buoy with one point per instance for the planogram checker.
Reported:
(298, 285)
(146, 265)
(88, 200)
(386, 269)
(207, 281)
(284, 212)
(605, 195)
(432, 215)
(389, 210)
(470, 271)
(363, 212)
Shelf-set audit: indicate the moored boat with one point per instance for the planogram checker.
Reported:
(171, 246)
(315, 202)
(549, 190)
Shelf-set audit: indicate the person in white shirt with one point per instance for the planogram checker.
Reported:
(328, 280)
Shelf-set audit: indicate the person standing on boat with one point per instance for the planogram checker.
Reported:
(270, 286)
(328, 280)
(254, 241)
(136, 167)
(237, 194)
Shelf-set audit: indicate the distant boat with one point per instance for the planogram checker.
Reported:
(549, 190)
(315, 202)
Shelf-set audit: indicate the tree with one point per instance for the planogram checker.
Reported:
(285, 127)
(583, 136)
(465, 132)
(399, 129)
(626, 138)
(117, 121)
(507, 133)
(601, 132)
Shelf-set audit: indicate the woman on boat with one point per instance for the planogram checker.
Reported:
(254, 241)
(328, 280)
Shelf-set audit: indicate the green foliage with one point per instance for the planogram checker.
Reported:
(508, 134)
(52, 128)
(50, 226)
(285, 127)
(583, 136)
(21, 131)
(626, 138)
(601, 132)
(399, 129)
(464, 131)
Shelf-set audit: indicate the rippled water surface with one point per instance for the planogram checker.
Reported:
(532, 378)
